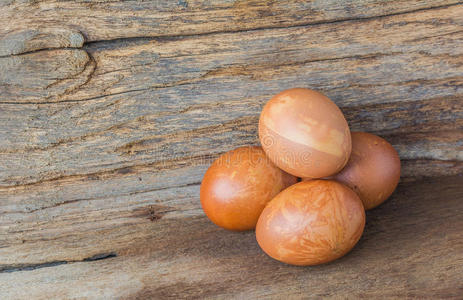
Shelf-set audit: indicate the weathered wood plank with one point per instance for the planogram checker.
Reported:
(412, 245)
(402, 45)
(36, 217)
(142, 102)
(110, 115)
(30, 25)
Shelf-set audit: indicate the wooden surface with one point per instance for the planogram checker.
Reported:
(111, 111)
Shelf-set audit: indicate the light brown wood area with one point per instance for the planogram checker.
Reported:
(111, 111)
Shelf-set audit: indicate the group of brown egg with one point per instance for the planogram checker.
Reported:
(306, 189)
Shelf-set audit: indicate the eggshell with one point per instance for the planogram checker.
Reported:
(311, 222)
(238, 185)
(305, 133)
(373, 170)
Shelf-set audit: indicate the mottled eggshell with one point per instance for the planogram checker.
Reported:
(311, 222)
(305, 133)
(238, 185)
(373, 170)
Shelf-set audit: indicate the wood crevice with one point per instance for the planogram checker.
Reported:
(161, 38)
(30, 267)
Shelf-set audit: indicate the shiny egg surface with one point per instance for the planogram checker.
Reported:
(311, 222)
(305, 133)
(373, 170)
(238, 185)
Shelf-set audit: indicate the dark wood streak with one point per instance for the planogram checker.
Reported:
(30, 267)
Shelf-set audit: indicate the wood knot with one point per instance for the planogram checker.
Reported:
(28, 40)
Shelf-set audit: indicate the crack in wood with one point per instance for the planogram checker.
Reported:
(31, 267)
(300, 25)
(100, 256)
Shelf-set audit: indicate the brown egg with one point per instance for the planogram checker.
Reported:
(373, 170)
(311, 222)
(305, 133)
(238, 185)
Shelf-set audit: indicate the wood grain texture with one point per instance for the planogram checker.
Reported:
(111, 111)
(412, 248)
(107, 20)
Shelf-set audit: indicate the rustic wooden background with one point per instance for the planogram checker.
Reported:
(111, 111)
